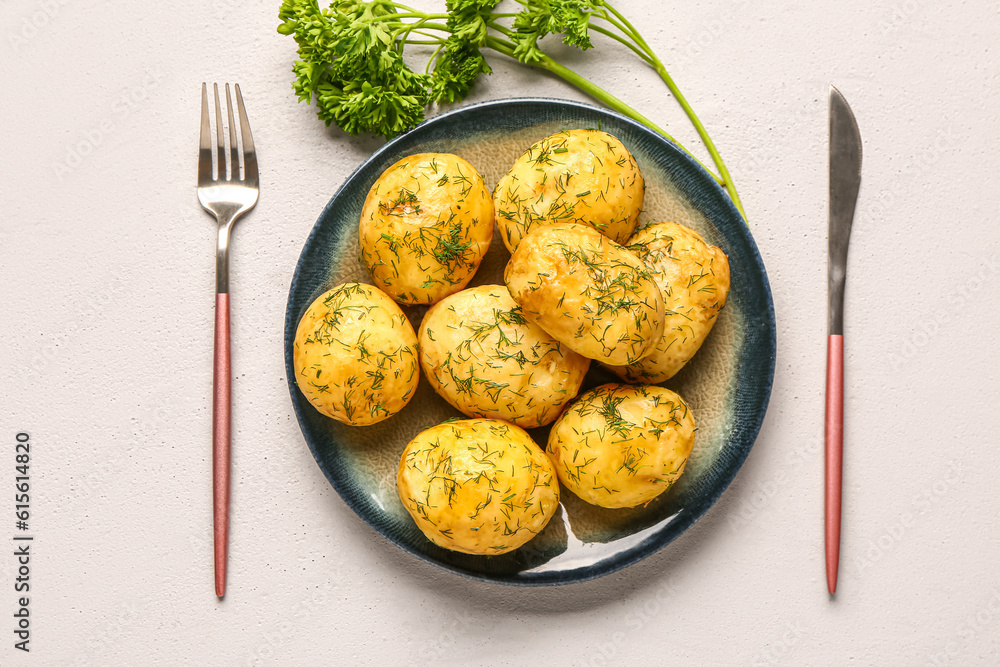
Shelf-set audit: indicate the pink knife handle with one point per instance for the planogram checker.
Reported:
(834, 454)
(222, 385)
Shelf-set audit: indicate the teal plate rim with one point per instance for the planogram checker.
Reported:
(755, 370)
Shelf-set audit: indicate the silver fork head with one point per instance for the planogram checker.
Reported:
(224, 191)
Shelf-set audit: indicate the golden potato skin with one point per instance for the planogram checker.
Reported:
(693, 278)
(425, 226)
(582, 176)
(479, 486)
(355, 355)
(587, 292)
(622, 445)
(484, 357)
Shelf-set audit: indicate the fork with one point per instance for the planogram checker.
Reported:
(227, 196)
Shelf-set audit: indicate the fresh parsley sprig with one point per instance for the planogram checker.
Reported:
(351, 58)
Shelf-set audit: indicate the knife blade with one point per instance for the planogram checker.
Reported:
(845, 180)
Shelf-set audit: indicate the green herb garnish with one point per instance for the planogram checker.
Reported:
(351, 58)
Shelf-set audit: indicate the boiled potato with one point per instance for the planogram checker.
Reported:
(582, 176)
(485, 358)
(479, 486)
(694, 280)
(587, 292)
(355, 355)
(425, 226)
(622, 446)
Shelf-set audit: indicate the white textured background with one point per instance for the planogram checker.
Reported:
(107, 274)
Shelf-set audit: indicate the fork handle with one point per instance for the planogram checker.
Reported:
(834, 455)
(221, 425)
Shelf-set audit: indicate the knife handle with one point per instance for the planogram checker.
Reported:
(834, 454)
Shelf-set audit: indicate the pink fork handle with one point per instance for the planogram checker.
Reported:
(834, 454)
(222, 385)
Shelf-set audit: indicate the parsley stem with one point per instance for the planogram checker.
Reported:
(401, 37)
(423, 23)
(628, 29)
(394, 6)
(433, 57)
(727, 180)
(598, 93)
(431, 39)
(410, 15)
(504, 30)
(625, 29)
(635, 49)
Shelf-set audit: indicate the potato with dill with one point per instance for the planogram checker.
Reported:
(425, 226)
(583, 176)
(693, 278)
(479, 486)
(622, 445)
(484, 357)
(355, 355)
(587, 292)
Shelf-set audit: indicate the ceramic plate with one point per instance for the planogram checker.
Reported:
(727, 384)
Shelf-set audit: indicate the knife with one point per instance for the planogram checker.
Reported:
(845, 179)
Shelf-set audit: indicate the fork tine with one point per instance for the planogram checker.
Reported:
(249, 152)
(233, 147)
(220, 134)
(205, 145)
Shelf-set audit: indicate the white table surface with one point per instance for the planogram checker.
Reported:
(107, 275)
